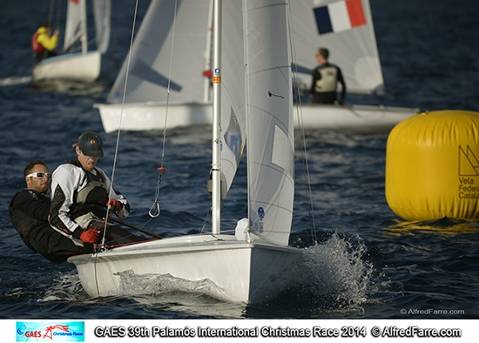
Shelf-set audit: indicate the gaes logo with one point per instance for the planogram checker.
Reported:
(58, 332)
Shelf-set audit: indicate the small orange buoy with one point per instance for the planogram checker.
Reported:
(162, 170)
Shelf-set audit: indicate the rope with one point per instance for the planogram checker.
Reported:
(154, 211)
(135, 228)
(301, 126)
(205, 220)
(51, 8)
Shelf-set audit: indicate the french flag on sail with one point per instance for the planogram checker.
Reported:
(339, 16)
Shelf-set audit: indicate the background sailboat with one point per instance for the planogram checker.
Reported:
(346, 28)
(84, 65)
(255, 263)
(353, 48)
(146, 93)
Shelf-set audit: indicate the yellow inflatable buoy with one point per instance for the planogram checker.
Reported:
(432, 166)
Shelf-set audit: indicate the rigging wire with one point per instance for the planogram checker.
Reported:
(58, 16)
(51, 9)
(110, 191)
(154, 211)
(102, 247)
(301, 126)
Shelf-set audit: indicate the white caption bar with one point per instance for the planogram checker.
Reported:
(176, 331)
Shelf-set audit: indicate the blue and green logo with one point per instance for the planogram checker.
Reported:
(50, 331)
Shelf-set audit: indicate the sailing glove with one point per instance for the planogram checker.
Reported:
(115, 205)
(91, 235)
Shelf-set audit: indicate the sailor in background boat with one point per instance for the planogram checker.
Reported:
(29, 211)
(326, 77)
(44, 42)
(80, 196)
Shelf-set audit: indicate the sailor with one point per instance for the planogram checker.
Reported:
(80, 195)
(44, 42)
(326, 77)
(29, 211)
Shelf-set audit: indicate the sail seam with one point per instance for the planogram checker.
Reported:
(269, 69)
(271, 166)
(266, 6)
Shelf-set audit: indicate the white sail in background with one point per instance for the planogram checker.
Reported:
(233, 117)
(150, 61)
(73, 26)
(270, 146)
(101, 12)
(346, 28)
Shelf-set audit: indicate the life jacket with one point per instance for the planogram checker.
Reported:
(36, 46)
(89, 202)
(328, 81)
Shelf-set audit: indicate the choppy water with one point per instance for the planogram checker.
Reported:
(365, 265)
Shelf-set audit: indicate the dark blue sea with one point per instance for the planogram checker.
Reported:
(363, 266)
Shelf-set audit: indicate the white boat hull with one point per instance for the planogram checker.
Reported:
(151, 116)
(351, 118)
(76, 67)
(220, 266)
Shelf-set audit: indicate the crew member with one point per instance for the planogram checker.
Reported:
(44, 42)
(326, 77)
(80, 196)
(29, 211)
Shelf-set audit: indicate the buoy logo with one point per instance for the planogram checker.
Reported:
(468, 187)
(468, 162)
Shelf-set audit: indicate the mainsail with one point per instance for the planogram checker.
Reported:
(74, 26)
(346, 28)
(233, 125)
(101, 12)
(270, 146)
(151, 51)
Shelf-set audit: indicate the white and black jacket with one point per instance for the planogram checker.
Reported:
(78, 197)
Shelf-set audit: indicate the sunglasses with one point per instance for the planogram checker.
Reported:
(39, 175)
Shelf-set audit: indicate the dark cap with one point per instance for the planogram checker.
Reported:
(324, 52)
(90, 144)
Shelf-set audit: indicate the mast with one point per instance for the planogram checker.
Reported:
(216, 79)
(83, 26)
(206, 84)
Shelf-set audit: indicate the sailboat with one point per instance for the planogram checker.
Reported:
(252, 101)
(189, 99)
(353, 47)
(346, 28)
(84, 65)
